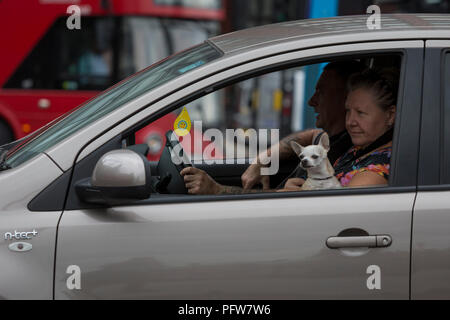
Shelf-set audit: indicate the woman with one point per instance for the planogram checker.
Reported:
(370, 114)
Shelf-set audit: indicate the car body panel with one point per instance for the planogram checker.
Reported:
(430, 268)
(27, 275)
(245, 250)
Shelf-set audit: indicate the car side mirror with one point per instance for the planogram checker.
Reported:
(119, 177)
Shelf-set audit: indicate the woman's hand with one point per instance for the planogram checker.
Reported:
(199, 182)
(293, 184)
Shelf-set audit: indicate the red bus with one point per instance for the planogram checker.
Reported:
(46, 68)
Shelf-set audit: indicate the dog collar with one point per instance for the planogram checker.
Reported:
(323, 178)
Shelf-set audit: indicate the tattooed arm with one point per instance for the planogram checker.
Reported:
(252, 175)
(199, 182)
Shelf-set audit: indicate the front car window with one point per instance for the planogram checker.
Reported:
(255, 113)
(154, 76)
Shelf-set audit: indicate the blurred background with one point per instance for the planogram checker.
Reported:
(46, 69)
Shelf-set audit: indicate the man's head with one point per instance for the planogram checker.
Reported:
(329, 97)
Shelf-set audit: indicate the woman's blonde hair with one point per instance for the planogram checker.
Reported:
(383, 83)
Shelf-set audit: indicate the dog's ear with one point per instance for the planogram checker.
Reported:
(325, 141)
(296, 147)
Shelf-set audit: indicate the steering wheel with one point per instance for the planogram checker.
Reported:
(173, 159)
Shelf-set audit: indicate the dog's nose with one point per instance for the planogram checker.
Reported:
(304, 162)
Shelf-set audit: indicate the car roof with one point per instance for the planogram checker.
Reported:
(337, 30)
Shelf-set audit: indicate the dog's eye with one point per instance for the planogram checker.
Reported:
(302, 156)
(314, 156)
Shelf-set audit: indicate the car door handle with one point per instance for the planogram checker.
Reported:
(376, 241)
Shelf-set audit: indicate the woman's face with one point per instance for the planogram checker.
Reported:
(364, 119)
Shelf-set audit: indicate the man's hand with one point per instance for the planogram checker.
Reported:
(199, 182)
(252, 176)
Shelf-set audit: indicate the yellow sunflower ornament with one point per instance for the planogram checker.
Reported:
(182, 124)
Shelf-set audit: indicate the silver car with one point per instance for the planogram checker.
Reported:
(84, 215)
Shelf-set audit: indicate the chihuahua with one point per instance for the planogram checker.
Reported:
(314, 160)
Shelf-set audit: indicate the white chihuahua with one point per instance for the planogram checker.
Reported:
(314, 160)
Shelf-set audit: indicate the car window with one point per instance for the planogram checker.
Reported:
(112, 99)
(230, 127)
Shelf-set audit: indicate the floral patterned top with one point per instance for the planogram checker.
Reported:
(376, 161)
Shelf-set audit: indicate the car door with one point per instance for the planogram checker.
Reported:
(430, 265)
(253, 246)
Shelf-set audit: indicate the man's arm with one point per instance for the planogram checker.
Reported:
(304, 138)
(252, 175)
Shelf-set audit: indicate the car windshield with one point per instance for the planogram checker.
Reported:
(108, 101)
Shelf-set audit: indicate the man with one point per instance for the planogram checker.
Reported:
(328, 102)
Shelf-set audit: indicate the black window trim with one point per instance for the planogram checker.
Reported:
(439, 57)
(432, 137)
